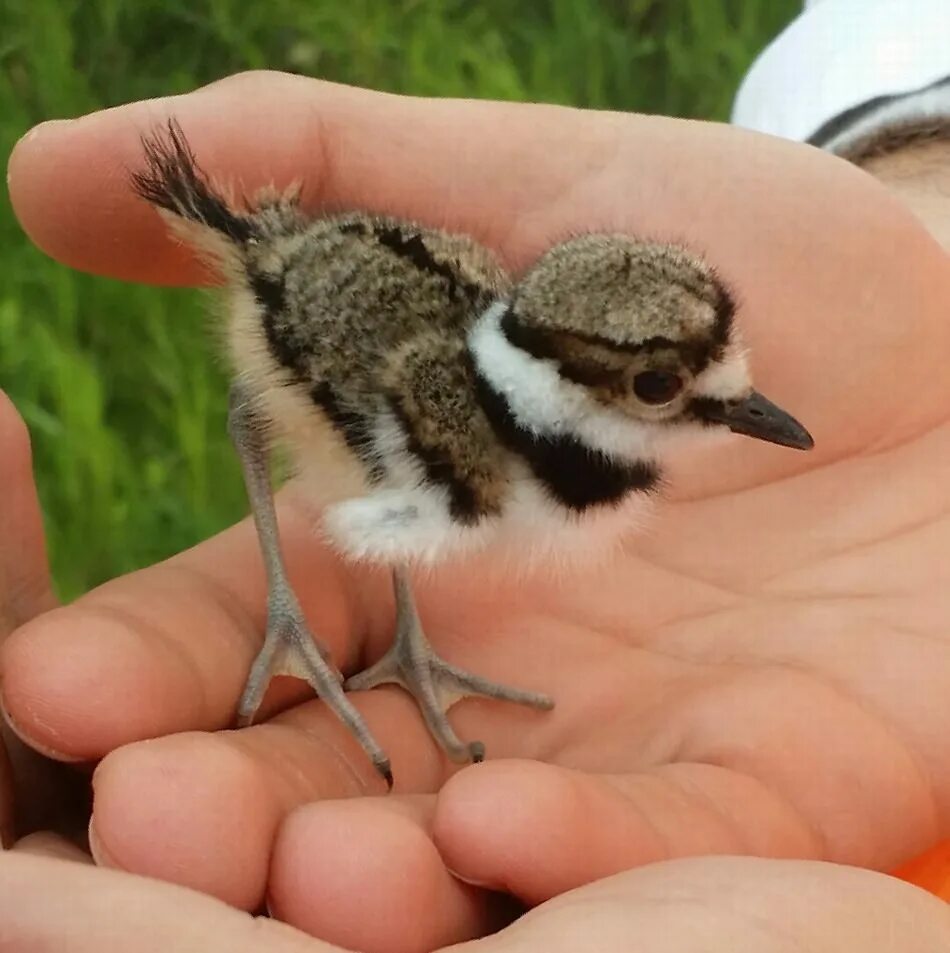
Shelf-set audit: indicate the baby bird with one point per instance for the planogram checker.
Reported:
(435, 407)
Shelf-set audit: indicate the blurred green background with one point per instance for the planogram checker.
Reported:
(119, 383)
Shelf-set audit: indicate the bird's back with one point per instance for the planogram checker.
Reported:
(352, 332)
(343, 297)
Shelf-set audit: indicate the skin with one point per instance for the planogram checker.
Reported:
(784, 696)
(917, 175)
(24, 593)
(742, 905)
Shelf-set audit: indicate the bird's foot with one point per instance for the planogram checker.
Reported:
(436, 686)
(291, 649)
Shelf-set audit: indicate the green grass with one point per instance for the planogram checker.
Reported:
(118, 383)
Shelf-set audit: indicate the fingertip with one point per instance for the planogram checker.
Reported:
(22, 153)
(67, 185)
(14, 436)
(46, 904)
(29, 691)
(366, 875)
(536, 830)
(68, 179)
(494, 822)
(190, 809)
(78, 683)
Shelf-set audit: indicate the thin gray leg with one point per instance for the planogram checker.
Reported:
(434, 684)
(289, 646)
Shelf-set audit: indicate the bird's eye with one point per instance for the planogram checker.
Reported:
(657, 387)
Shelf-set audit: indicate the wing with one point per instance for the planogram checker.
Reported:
(430, 388)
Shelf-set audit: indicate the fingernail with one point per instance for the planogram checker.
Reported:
(44, 128)
(100, 855)
(481, 884)
(39, 748)
(269, 907)
(29, 137)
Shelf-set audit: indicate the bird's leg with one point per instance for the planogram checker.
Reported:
(435, 684)
(289, 646)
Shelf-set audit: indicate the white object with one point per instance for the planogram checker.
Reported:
(842, 54)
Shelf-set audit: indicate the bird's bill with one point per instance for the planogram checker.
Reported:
(756, 416)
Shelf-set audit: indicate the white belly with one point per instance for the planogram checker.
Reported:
(415, 525)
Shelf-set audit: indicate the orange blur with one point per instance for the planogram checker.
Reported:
(930, 871)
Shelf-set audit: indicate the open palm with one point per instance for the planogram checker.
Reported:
(765, 669)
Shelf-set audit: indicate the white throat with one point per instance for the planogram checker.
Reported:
(544, 403)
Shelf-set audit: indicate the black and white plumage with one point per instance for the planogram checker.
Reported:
(436, 407)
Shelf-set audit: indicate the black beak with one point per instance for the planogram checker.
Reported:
(757, 417)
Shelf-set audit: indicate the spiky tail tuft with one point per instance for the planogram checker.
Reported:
(172, 180)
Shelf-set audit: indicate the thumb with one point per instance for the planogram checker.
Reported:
(734, 904)
(48, 904)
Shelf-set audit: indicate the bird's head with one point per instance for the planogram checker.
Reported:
(646, 330)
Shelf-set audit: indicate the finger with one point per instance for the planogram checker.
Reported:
(203, 809)
(366, 875)
(51, 905)
(735, 904)
(211, 832)
(163, 650)
(25, 592)
(538, 830)
(367, 149)
(168, 649)
(729, 903)
(767, 213)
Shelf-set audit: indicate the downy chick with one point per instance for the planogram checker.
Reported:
(435, 407)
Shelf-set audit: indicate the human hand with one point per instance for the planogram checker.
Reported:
(764, 671)
(698, 905)
(33, 792)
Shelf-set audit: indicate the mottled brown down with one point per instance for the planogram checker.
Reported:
(357, 319)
